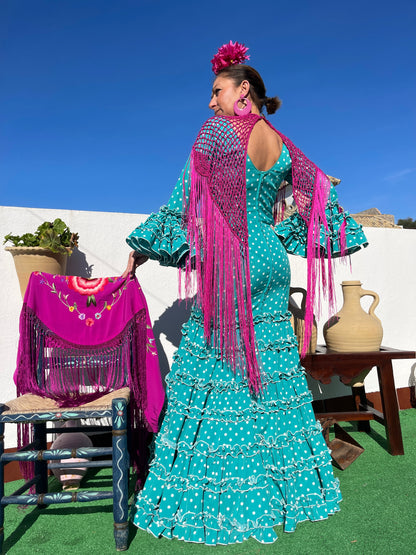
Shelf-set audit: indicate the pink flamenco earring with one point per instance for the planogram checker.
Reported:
(246, 106)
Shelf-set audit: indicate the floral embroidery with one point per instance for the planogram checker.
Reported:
(150, 348)
(89, 287)
(85, 287)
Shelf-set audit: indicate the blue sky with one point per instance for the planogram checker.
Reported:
(101, 99)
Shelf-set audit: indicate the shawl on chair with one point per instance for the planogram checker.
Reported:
(83, 338)
(216, 221)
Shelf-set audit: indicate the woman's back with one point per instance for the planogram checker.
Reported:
(264, 146)
(269, 265)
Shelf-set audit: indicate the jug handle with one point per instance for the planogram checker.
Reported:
(299, 290)
(363, 293)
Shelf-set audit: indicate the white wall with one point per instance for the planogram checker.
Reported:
(387, 266)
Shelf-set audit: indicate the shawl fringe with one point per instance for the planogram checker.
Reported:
(217, 233)
(71, 374)
(311, 188)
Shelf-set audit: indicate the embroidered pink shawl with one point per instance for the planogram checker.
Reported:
(217, 233)
(82, 338)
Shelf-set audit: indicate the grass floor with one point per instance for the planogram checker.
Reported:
(378, 514)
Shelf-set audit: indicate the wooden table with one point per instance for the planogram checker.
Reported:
(323, 365)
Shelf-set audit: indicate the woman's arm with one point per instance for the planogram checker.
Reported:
(135, 259)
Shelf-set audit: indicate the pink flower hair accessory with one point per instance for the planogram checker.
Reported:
(228, 55)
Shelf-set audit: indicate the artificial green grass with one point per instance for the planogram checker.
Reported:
(378, 514)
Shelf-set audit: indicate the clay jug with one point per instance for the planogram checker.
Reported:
(298, 320)
(70, 478)
(352, 329)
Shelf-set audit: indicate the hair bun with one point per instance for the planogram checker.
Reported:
(272, 104)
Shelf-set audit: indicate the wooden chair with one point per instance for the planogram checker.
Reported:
(38, 411)
(118, 404)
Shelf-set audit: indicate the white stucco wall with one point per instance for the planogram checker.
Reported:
(387, 267)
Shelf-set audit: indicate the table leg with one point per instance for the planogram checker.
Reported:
(358, 393)
(390, 408)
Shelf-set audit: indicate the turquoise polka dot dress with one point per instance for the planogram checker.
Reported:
(226, 466)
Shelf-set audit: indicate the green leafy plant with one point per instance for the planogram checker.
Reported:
(407, 223)
(55, 236)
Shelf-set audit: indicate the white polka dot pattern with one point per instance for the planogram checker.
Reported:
(228, 466)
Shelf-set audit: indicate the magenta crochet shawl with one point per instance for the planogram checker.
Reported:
(216, 221)
(82, 338)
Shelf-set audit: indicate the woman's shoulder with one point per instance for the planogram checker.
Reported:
(224, 130)
(215, 131)
(217, 125)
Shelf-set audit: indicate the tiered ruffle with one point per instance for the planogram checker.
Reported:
(293, 231)
(161, 238)
(228, 466)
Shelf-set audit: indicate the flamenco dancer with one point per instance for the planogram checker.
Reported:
(239, 451)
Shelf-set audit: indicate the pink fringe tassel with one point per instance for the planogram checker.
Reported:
(219, 263)
(223, 289)
(320, 276)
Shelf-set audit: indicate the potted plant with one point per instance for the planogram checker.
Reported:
(45, 250)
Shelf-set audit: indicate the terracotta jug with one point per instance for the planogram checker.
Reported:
(70, 478)
(298, 320)
(352, 329)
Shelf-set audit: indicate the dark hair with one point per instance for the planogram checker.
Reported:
(239, 73)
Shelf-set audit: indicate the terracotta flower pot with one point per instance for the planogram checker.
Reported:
(36, 259)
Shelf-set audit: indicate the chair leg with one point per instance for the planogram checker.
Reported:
(41, 467)
(121, 466)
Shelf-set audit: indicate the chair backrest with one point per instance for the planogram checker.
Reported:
(82, 338)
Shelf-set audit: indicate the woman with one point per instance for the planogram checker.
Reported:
(239, 450)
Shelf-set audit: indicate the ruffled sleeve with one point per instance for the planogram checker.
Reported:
(293, 231)
(162, 237)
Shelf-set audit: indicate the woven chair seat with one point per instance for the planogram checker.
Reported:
(34, 403)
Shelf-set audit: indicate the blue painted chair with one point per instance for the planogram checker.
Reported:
(36, 409)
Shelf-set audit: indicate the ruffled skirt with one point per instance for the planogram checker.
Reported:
(228, 466)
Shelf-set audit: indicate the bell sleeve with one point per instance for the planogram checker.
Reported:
(162, 236)
(293, 231)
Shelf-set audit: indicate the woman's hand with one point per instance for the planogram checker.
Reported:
(135, 259)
